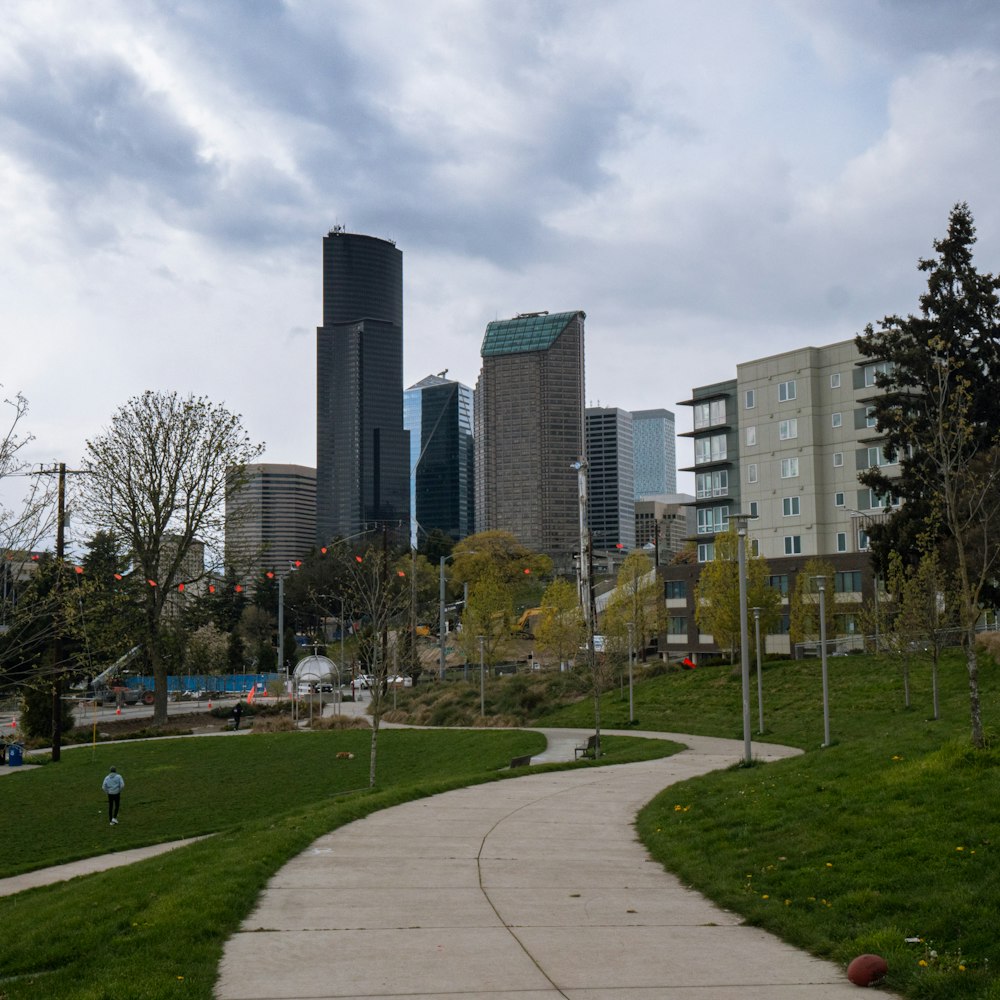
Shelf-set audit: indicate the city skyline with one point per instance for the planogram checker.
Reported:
(747, 179)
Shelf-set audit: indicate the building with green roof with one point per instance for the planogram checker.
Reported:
(529, 416)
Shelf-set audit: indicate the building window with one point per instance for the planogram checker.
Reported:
(712, 519)
(712, 484)
(788, 429)
(793, 545)
(882, 501)
(847, 583)
(838, 499)
(676, 590)
(753, 510)
(838, 459)
(789, 468)
(836, 419)
(877, 458)
(755, 547)
(710, 449)
(835, 380)
(872, 371)
(870, 420)
(710, 414)
(751, 435)
(786, 391)
(706, 551)
(677, 625)
(752, 472)
(779, 583)
(841, 541)
(862, 540)
(790, 506)
(750, 398)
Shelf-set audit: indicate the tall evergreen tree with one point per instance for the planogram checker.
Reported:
(940, 417)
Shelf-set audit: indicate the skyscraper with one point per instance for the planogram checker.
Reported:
(362, 469)
(655, 440)
(437, 413)
(611, 491)
(271, 519)
(529, 428)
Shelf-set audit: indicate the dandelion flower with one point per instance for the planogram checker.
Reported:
(765, 896)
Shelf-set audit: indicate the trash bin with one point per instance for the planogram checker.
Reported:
(15, 755)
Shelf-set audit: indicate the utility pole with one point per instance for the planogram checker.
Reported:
(57, 644)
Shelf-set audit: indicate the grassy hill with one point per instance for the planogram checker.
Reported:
(885, 841)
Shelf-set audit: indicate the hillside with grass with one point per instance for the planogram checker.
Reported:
(885, 841)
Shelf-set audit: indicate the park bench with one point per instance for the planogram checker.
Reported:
(586, 749)
(523, 761)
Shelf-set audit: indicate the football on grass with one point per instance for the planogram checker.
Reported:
(867, 970)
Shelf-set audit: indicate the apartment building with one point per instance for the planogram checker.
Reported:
(784, 443)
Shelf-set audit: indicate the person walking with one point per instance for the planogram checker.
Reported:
(237, 714)
(113, 785)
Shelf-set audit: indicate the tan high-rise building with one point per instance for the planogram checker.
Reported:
(529, 419)
(271, 521)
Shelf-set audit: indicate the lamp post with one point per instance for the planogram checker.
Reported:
(441, 622)
(631, 635)
(760, 678)
(741, 528)
(821, 587)
(482, 680)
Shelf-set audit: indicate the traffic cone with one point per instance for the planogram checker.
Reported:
(118, 711)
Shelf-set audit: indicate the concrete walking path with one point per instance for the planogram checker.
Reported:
(530, 889)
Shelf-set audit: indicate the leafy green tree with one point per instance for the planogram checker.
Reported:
(103, 609)
(207, 650)
(158, 479)
(939, 416)
(490, 614)
(560, 631)
(717, 594)
(235, 653)
(500, 554)
(803, 611)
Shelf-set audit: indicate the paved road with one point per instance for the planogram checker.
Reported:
(523, 890)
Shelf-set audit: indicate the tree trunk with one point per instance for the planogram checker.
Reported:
(373, 753)
(159, 668)
(974, 707)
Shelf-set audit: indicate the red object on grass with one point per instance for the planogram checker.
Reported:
(867, 970)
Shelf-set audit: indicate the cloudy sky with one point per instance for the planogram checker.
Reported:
(710, 182)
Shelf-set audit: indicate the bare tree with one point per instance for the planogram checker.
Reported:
(379, 594)
(158, 479)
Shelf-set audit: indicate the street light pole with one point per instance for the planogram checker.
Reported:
(741, 527)
(631, 637)
(821, 586)
(441, 649)
(760, 677)
(482, 680)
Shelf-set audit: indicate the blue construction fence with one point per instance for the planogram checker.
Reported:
(216, 683)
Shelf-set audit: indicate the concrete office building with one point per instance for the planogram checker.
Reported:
(655, 443)
(362, 450)
(271, 519)
(529, 420)
(437, 413)
(784, 443)
(611, 487)
(663, 525)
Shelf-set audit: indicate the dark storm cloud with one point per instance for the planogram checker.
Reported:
(86, 125)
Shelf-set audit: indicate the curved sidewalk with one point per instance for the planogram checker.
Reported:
(529, 889)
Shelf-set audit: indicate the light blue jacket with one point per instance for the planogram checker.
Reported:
(113, 783)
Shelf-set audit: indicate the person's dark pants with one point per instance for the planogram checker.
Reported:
(114, 801)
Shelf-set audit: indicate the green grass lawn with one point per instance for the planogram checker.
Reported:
(890, 833)
(156, 928)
